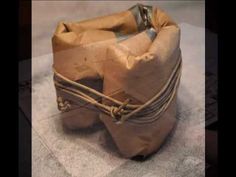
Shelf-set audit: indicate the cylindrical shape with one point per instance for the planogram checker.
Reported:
(139, 68)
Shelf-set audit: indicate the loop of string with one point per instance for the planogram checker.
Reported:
(123, 111)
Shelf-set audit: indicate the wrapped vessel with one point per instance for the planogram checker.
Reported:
(123, 69)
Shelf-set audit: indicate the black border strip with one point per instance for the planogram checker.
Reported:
(24, 88)
(211, 87)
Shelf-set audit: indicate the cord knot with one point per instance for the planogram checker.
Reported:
(117, 112)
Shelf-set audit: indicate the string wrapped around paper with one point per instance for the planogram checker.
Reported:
(122, 69)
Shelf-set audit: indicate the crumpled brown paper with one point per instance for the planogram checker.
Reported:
(124, 55)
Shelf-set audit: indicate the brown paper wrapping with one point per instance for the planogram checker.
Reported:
(94, 53)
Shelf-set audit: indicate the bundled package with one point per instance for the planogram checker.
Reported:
(123, 69)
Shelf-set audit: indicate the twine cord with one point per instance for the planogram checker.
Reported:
(123, 111)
